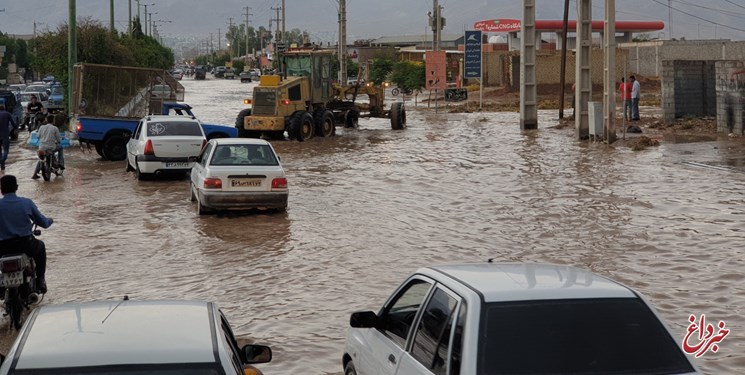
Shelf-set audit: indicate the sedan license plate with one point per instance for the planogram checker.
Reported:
(177, 165)
(11, 279)
(245, 182)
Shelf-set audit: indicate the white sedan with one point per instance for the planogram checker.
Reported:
(238, 173)
(164, 144)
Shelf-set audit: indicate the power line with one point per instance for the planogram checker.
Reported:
(695, 16)
(722, 11)
(735, 4)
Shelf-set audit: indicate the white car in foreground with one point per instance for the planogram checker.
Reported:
(238, 173)
(164, 144)
(509, 318)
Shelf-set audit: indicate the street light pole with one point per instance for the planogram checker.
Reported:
(72, 52)
(111, 8)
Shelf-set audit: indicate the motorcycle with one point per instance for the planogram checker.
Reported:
(18, 278)
(395, 91)
(49, 164)
(34, 121)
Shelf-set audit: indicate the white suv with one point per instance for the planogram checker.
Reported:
(512, 319)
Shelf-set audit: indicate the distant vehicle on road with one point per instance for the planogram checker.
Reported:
(200, 72)
(510, 318)
(177, 73)
(56, 100)
(229, 73)
(238, 173)
(163, 144)
(131, 337)
(245, 77)
(219, 72)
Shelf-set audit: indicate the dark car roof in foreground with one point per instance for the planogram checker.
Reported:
(81, 334)
(525, 281)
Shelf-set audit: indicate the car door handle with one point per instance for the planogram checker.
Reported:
(391, 359)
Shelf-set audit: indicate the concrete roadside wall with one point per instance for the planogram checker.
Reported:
(688, 89)
(548, 68)
(730, 91)
(646, 58)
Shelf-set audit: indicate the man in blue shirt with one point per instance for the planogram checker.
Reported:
(16, 228)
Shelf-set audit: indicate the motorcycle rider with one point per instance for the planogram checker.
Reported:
(50, 140)
(33, 107)
(16, 229)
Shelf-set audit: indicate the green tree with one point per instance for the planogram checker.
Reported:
(381, 69)
(352, 69)
(408, 75)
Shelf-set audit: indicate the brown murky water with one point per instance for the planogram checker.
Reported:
(371, 205)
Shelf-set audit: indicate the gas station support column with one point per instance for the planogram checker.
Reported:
(583, 84)
(528, 89)
(609, 72)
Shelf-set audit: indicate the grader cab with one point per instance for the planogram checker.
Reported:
(307, 102)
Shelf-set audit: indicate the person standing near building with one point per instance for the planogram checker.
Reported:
(625, 88)
(635, 95)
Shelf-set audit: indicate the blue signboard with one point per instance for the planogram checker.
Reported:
(472, 62)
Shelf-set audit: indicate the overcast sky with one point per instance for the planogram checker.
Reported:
(368, 18)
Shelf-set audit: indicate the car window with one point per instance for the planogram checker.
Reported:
(456, 347)
(231, 344)
(168, 128)
(584, 336)
(243, 155)
(137, 131)
(398, 317)
(432, 339)
(205, 154)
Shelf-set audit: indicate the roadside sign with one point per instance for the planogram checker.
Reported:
(436, 66)
(456, 95)
(472, 63)
(498, 26)
(281, 47)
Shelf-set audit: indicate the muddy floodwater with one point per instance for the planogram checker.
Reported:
(371, 205)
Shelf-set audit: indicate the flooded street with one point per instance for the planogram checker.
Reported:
(371, 205)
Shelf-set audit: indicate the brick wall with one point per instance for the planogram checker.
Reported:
(688, 89)
(730, 92)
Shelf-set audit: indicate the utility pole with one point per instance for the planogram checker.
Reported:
(111, 7)
(129, 25)
(343, 42)
(437, 23)
(564, 37)
(138, 11)
(277, 36)
(211, 43)
(609, 72)
(145, 18)
(284, 39)
(230, 28)
(72, 52)
(218, 40)
(670, 17)
(248, 9)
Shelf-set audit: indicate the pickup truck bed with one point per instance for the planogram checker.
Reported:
(110, 135)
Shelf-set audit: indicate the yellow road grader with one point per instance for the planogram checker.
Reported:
(306, 101)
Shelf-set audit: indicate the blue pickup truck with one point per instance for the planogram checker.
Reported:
(110, 135)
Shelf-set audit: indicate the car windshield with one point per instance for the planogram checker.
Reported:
(159, 129)
(583, 336)
(243, 155)
(56, 90)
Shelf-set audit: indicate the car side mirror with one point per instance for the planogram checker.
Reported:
(363, 319)
(195, 159)
(256, 354)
